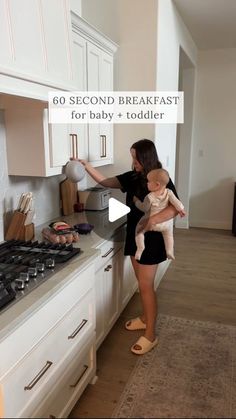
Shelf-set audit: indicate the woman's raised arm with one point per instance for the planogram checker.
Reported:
(111, 182)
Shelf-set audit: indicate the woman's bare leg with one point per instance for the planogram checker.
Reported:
(145, 275)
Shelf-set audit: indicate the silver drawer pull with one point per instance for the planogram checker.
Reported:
(103, 146)
(108, 267)
(38, 376)
(109, 251)
(76, 331)
(81, 375)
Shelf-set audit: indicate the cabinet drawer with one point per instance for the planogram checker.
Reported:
(81, 370)
(32, 378)
(108, 249)
(39, 323)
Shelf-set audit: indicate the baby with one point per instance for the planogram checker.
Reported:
(154, 202)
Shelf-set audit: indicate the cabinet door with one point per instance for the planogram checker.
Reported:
(79, 135)
(70, 385)
(6, 52)
(95, 148)
(112, 273)
(80, 62)
(106, 79)
(57, 145)
(128, 283)
(36, 44)
(21, 36)
(106, 84)
(57, 39)
(99, 293)
(107, 286)
(100, 78)
(80, 77)
(94, 68)
(34, 147)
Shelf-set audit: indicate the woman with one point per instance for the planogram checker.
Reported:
(134, 183)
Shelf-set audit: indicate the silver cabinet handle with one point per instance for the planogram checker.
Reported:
(109, 251)
(81, 375)
(74, 145)
(108, 267)
(103, 147)
(76, 331)
(38, 376)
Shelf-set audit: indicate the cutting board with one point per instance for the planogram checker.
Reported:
(68, 193)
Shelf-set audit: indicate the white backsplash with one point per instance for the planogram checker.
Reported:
(45, 190)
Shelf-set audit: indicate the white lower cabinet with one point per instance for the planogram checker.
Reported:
(129, 282)
(107, 287)
(53, 348)
(115, 284)
(55, 357)
(81, 369)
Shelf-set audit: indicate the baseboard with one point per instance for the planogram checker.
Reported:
(219, 225)
(181, 223)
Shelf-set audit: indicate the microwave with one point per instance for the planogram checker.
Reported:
(95, 198)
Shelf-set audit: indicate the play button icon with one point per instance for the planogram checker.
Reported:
(116, 209)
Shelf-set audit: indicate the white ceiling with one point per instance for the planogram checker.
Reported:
(212, 23)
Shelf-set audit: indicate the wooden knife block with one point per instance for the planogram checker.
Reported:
(27, 232)
(17, 229)
(15, 226)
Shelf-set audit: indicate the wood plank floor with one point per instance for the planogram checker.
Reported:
(200, 284)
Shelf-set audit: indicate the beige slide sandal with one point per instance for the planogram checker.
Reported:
(143, 345)
(135, 324)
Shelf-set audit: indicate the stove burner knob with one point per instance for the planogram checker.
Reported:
(15, 259)
(18, 258)
(33, 262)
(50, 263)
(20, 285)
(32, 272)
(25, 277)
(40, 267)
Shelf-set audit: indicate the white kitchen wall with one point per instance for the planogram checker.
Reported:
(213, 170)
(172, 34)
(45, 190)
(133, 25)
(214, 140)
(185, 144)
(75, 6)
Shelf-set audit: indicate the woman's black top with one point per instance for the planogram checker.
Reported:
(134, 183)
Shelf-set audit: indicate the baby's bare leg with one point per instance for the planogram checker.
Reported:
(139, 240)
(169, 242)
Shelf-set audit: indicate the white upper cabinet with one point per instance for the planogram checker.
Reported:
(34, 147)
(100, 78)
(93, 55)
(80, 131)
(35, 45)
(80, 62)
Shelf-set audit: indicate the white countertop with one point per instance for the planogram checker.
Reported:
(12, 317)
(103, 229)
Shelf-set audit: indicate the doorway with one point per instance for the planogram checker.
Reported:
(184, 136)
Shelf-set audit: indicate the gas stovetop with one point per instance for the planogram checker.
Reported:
(26, 265)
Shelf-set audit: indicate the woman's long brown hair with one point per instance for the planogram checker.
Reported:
(146, 155)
